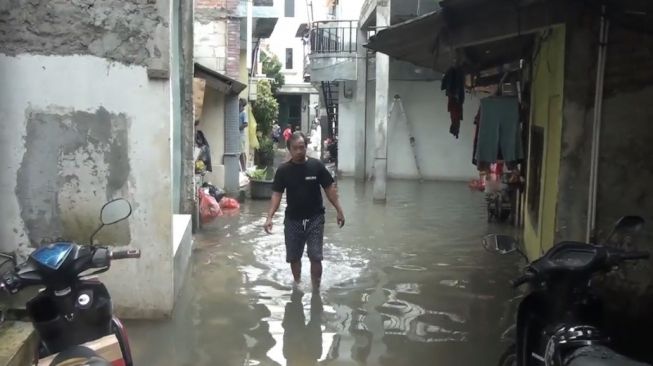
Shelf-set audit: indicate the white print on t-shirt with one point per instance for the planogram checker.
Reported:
(311, 178)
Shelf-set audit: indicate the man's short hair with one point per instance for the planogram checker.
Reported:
(296, 136)
(242, 102)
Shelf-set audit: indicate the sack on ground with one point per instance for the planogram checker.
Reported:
(227, 203)
(209, 207)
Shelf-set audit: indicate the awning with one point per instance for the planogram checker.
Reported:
(218, 81)
(301, 30)
(473, 33)
(415, 41)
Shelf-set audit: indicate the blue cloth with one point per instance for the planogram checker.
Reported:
(499, 136)
(243, 119)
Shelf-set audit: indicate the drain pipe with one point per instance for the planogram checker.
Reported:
(596, 129)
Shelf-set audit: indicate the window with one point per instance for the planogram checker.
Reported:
(290, 9)
(289, 65)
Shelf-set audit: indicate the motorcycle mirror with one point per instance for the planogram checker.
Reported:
(501, 244)
(625, 226)
(115, 211)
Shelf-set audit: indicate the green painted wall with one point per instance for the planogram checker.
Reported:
(546, 112)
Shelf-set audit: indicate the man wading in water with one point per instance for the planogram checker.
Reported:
(301, 179)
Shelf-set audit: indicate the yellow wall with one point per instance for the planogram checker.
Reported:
(546, 112)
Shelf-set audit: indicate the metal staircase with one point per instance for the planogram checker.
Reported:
(330, 98)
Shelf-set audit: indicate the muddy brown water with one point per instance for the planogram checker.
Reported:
(405, 283)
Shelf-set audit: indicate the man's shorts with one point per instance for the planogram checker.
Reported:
(299, 233)
(243, 143)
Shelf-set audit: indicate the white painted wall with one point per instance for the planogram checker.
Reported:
(283, 37)
(346, 133)
(212, 125)
(210, 44)
(59, 84)
(349, 9)
(442, 156)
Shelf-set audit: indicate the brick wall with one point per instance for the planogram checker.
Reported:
(217, 36)
(233, 48)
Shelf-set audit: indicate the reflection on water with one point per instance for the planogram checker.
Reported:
(406, 283)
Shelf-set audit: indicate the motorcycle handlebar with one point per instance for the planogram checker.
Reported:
(634, 256)
(125, 254)
(522, 280)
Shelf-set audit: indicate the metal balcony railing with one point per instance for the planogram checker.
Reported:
(334, 36)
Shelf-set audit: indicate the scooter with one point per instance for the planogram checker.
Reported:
(558, 322)
(74, 307)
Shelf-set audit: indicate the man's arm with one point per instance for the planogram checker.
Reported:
(332, 194)
(275, 202)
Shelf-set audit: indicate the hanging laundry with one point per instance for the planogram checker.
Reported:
(453, 83)
(499, 132)
(477, 123)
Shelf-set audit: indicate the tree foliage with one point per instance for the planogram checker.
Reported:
(272, 69)
(266, 111)
(265, 108)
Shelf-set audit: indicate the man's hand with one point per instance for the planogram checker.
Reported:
(341, 219)
(268, 226)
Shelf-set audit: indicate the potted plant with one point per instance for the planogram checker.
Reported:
(265, 110)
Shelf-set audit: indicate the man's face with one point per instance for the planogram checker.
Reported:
(298, 150)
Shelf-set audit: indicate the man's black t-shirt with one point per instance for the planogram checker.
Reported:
(302, 182)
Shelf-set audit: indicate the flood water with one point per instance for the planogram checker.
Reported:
(405, 283)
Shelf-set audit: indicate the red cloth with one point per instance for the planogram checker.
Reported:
(287, 133)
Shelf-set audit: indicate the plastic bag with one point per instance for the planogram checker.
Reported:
(229, 203)
(209, 207)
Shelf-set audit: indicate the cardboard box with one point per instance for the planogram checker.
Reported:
(106, 347)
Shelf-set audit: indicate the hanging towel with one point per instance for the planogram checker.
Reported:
(499, 130)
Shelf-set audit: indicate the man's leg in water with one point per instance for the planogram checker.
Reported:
(295, 242)
(316, 273)
(314, 243)
(296, 268)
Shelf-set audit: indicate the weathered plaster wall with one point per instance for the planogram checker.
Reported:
(626, 176)
(210, 41)
(188, 116)
(74, 132)
(127, 31)
(578, 110)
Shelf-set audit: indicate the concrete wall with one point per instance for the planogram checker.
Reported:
(210, 42)
(369, 130)
(77, 131)
(626, 177)
(325, 67)
(579, 87)
(89, 117)
(441, 155)
(546, 113)
(347, 120)
(131, 31)
(212, 125)
(405, 9)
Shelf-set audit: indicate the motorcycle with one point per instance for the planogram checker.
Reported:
(558, 322)
(74, 307)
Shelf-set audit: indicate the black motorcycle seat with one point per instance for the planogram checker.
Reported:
(599, 356)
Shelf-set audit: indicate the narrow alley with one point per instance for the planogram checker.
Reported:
(406, 283)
